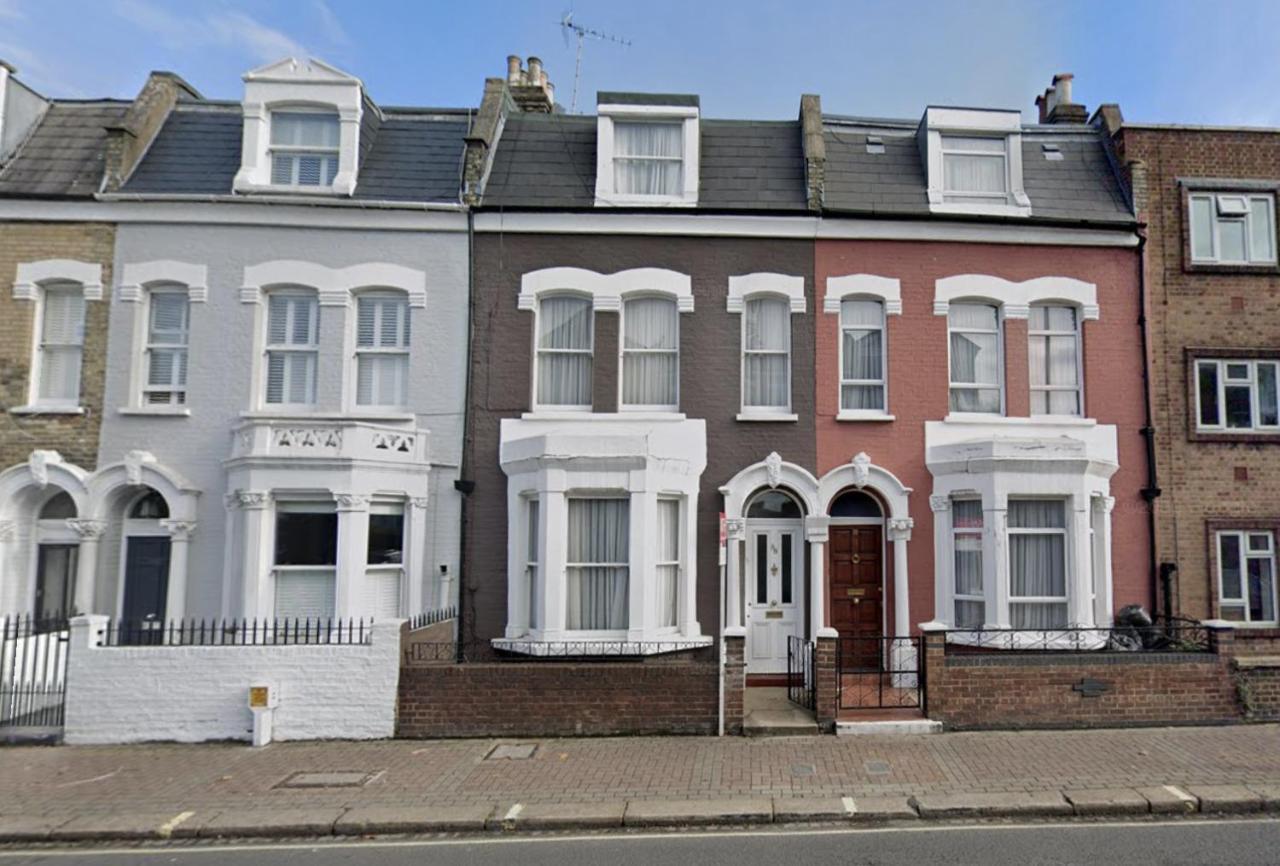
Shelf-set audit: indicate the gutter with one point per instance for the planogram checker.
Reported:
(292, 201)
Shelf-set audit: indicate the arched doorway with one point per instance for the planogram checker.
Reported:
(774, 578)
(856, 575)
(144, 562)
(57, 558)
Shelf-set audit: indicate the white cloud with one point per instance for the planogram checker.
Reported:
(226, 28)
(263, 42)
(329, 24)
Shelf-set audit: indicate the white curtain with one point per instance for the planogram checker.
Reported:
(966, 517)
(564, 352)
(974, 357)
(1037, 564)
(668, 561)
(532, 558)
(768, 353)
(979, 168)
(650, 352)
(648, 158)
(863, 354)
(597, 557)
(61, 344)
(1053, 361)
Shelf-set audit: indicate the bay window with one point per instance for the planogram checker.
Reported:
(1237, 395)
(766, 355)
(668, 564)
(382, 350)
(306, 556)
(597, 563)
(61, 345)
(292, 351)
(1037, 563)
(862, 355)
(1247, 576)
(650, 353)
(384, 570)
(564, 352)
(1054, 359)
(976, 380)
(168, 333)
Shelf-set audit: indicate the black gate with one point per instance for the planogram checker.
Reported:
(33, 677)
(800, 682)
(877, 673)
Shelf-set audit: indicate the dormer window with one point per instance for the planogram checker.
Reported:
(973, 161)
(647, 150)
(304, 148)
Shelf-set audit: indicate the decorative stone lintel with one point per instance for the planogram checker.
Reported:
(939, 503)
(419, 501)
(735, 528)
(88, 530)
(900, 528)
(351, 501)
(249, 499)
(179, 530)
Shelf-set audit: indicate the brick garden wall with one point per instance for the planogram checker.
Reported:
(1257, 684)
(551, 698)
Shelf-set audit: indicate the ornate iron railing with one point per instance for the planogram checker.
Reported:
(431, 617)
(801, 685)
(503, 649)
(1162, 636)
(236, 632)
(33, 670)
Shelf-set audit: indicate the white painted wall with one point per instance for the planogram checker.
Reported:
(194, 694)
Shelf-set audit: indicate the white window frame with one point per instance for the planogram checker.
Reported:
(372, 569)
(677, 563)
(749, 410)
(956, 531)
(307, 506)
(1046, 334)
(1242, 540)
(359, 352)
(951, 195)
(35, 401)
(538, 352)
(297, 150)
(532, 542)
(144, 389)
(269, 348)
(883, 381)
(607, 114)
(1063, 531)
(1256, 426)
(1000, 370)
(599, 634)
(1217, 218)
(973, 123)
(623, 351)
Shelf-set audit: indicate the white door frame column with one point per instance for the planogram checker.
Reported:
(817, 532)
(735, 531)
(175, 608)
(90, 532)
(899, 532)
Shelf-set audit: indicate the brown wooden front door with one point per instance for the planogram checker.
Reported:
(857, 600)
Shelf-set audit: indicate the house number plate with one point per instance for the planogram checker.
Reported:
(773, 614)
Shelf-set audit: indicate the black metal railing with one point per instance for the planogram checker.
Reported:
(878, 673)
(33, 671)
(431, 617)
(428, 652)
(801, 685)
(236, 632)
(1162, 636)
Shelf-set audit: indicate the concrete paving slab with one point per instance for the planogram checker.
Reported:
(809, 809)
(882, 809)
(1232, 799)
(1169, 800)
(1270, 795)
(660, 813)
(30, 828)
(1018, 804)
(272, 823)
(375, 820)
(1107, 801)
(126, 825)
(568, 816)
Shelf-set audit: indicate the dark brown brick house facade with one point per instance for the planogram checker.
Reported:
(1210, 481)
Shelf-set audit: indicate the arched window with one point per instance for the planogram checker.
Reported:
(774, 505)
(976, 383)
(149, 507)
(855, 503)
(59, 507)
(650, 353)
(564, 352)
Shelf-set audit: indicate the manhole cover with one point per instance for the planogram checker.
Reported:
(877, 768)
(328, 779)
(802, 769)
(512, 752)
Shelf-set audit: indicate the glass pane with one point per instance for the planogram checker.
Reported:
(668, 530)
(564, 380)
(973, 142)
(974, 359)
(854, 503)
(1043, 615)
(299, 129)
(651, 323)
(768, 324)
(531, 552)
(774, 504)
(1262, 602)
(968, 549)
(169, 318)
(862, 397)
(856, 312)
(975, 400)
(969, 614)
(1259, 542)
(386, 539)
(966, 514)
(599, 531)
(1062, 361)
(63, 316)
(977, 317)
(564, 323)
(862, 355)
(56, 581)
(598, 544)
(1268, 408)
(304, 538)
(786, 568)
(305, 594)
(649, 379)
(973, 173)
(1229, 565)
(1207, 378)
(1231, 239)
(1262, 235)
(762, 569)
(1064, 402)
(1202, 228)
(767, 381)
(60, 373)
(1037, 514)
(1239, 406)
(150, 507)
(60, 507)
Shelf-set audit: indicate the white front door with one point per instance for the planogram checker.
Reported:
(774, 593)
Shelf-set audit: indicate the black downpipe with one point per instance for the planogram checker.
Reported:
(464, 485)
(1152, 491)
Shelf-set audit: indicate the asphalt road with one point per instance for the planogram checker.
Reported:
(1189, 842)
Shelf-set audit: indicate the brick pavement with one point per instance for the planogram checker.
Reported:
(208, 779)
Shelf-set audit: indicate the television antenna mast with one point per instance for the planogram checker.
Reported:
(567, 26)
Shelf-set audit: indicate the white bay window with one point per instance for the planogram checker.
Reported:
(306, 558)
(597, 565)
(1037, 564)
(966, 533)
(668, 564)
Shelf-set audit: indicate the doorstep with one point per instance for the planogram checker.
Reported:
(769, 713)
(853, 723)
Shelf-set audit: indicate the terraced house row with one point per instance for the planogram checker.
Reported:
(636, 416)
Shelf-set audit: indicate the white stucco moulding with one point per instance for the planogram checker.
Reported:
(1016, 298)
(334, 285)
(31, 275)
(746, 286)
(886, 289)
(136, 276)
(607, 291)
(304, 85)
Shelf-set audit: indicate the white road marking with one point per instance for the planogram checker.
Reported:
(165, 830)
(1182, 795)
(849, 806)
(513, 813)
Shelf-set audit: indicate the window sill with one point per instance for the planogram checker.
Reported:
(1054, 420)
(599, 648)
(767, 416)
(302, 414)
(1253, 437)
(1264, 268)
(587, 415)
(37, 409)
(157, 412)
(646, 201)
(968, 209)
(863, 415)
(276, 189)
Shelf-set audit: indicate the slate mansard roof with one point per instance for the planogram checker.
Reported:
(64, 154)
(1080, 187)
(549, 161)
(415, 154)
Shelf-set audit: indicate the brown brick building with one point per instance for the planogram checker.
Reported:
(1212, 282)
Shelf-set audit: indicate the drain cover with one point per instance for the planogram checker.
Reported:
(877, 768)
(802, 769)
(512, 752)
(328, 779)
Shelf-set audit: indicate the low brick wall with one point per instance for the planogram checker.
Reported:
(1257, 683)
(661, 695)
(1011, 690)
(1257, 642)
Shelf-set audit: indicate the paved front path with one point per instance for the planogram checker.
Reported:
(166, 779)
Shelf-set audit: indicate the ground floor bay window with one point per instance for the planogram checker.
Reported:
(602, 546)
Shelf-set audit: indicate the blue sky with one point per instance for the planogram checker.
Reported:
(1162, 60)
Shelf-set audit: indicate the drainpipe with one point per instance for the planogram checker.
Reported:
(464, 484)
(724, 572)
(1152, 491)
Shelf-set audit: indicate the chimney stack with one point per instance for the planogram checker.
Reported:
(1055, 104)
(531, 89)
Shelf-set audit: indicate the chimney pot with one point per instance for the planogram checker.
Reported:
(513, 68)
(535, 71)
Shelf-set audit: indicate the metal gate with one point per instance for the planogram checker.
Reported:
(33, 677)
(800, 681)
(879, 673)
